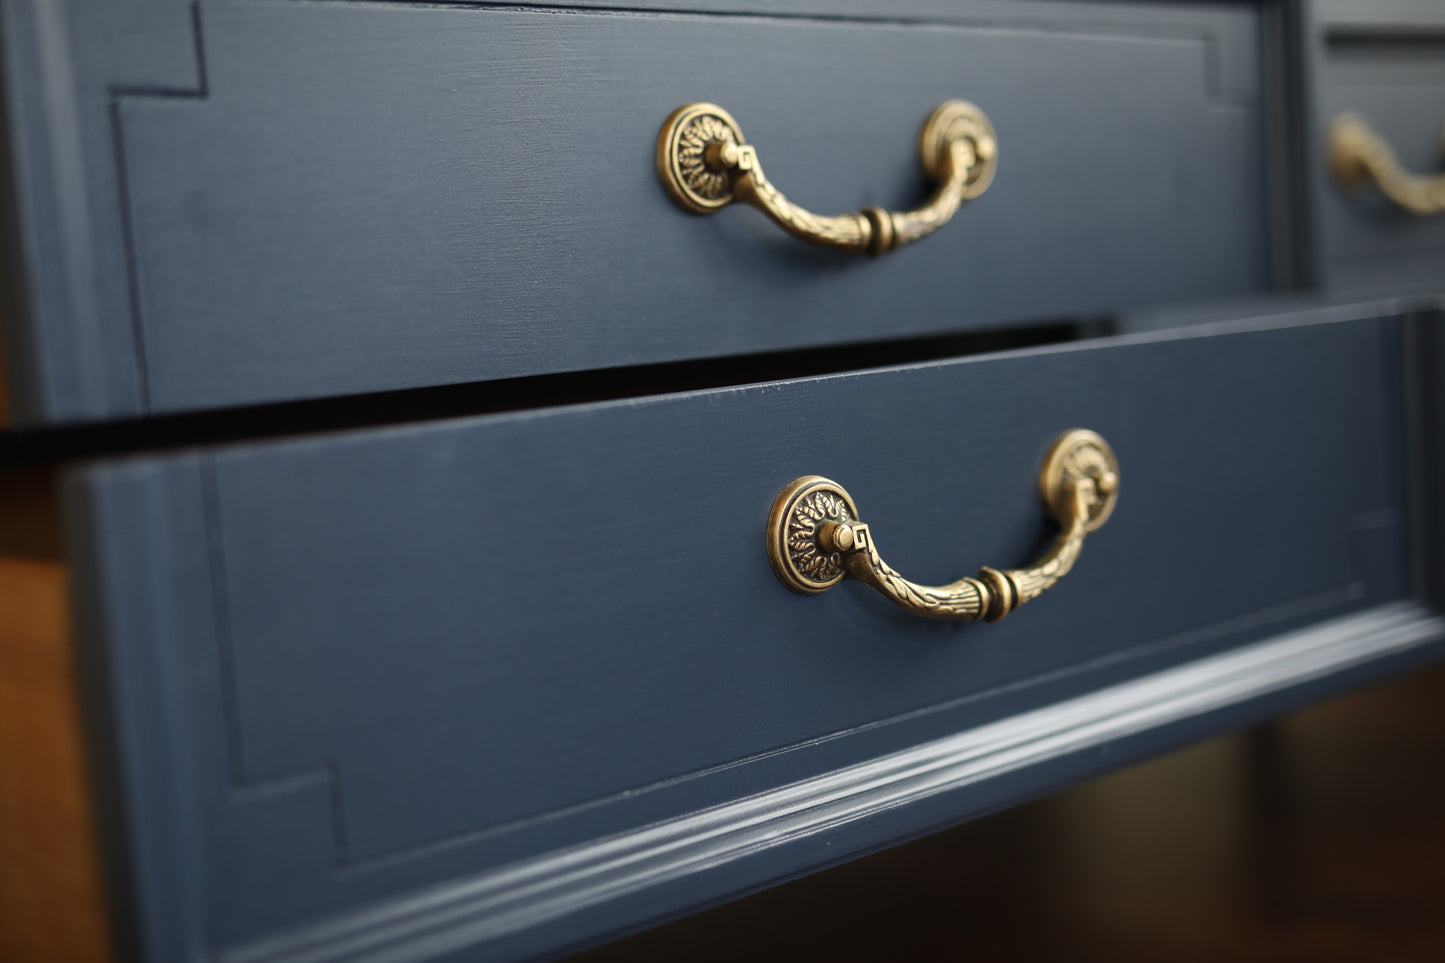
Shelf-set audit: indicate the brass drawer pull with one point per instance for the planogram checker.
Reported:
(815, 539)
(705, 165)
(1359, 156)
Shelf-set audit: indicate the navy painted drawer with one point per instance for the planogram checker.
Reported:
(231, 203)
(517, 681)
(1385, 62)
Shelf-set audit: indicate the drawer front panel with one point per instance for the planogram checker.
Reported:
(1385, 62)
(400, 656)
(351, 197)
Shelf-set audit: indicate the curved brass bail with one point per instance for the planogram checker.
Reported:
(1359, 156)
(705, 165)
(815, 539)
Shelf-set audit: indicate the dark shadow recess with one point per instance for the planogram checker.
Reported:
(166, 432)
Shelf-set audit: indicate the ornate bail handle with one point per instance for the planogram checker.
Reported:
(815, 539)
(1359, 156)
(705, 165)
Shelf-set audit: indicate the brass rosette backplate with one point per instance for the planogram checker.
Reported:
(955, 120)
(681, 156)
(1081, 455)
(793, 549)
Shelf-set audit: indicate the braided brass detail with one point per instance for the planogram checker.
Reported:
(815, 539)
(1358, 156)
(705, 165)
(848, 232)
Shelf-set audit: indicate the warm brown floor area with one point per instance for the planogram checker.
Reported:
(1320, 838)
(50, 900)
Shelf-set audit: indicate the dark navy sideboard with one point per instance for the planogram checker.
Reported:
(403, 455)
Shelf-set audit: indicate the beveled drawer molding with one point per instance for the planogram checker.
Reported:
(491, 907)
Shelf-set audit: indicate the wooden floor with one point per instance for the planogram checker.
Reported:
(1320, 838)
(50, 895)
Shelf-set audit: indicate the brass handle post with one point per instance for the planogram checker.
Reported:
(815, 539)
(1358, 156)
(705, 165)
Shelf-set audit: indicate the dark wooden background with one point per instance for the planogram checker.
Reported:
(1319, 838)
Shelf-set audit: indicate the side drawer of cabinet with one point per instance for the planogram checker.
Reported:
(269, 202)
(1378, 144)
(395, 685)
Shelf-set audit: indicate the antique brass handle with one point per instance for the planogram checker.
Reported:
(705, 165)
(815, 539)
(1358, 156)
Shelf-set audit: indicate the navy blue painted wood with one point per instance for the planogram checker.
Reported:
(322, 199)
(70, 336)
(362, 665)
(1385, 60)
(1425, 345)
